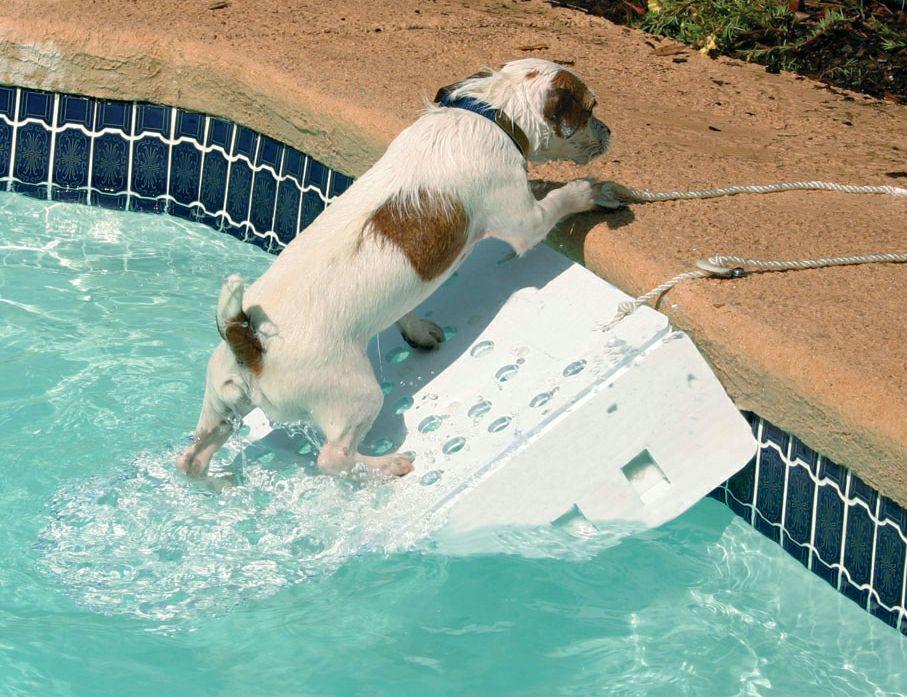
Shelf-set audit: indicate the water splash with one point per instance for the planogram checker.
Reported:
(149, 542)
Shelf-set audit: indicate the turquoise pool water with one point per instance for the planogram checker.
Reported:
(118, 576)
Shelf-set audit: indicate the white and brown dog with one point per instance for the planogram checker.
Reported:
(295, 341)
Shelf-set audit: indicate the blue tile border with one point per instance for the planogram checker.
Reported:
(161, 159)
(827, 518)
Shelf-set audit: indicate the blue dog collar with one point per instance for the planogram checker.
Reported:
(504, 122)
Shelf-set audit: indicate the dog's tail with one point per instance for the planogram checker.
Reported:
(236, 328)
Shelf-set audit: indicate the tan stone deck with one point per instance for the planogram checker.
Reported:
(822, 354)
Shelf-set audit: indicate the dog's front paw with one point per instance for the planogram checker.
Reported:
(420, 333)
(580, 195)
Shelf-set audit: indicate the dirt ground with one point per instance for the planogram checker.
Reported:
(820, 353)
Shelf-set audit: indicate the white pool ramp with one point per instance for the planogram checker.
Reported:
(531, 414)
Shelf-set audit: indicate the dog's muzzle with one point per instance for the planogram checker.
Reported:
(602, 135)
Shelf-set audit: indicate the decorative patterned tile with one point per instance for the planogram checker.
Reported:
(294, 164)
(71, 159)
(888, 578)
(245, 143)
(286, 214)
(110, 114)
(264, 193)
(770, 493)
(741, 488)
(889, 617)
(264, 190)
(858, 541)
(110, 163)
(36, 105)
(890, 510)
(153, 118)
(772, 434)
(185, 178)
(214, 187)
(150, 162)
(190, 125)
(861, 491)
(859, 595)
(6, 149)
(799, 451)
(220, 132)
(312, 205)
(832, 471)
(32, 160)
(829, 532)
(76, 110)
(7, 101)
(798, 513)
(316, 175)
(239, 191)
(339, 183)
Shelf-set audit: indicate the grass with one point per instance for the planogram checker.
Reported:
(858, 44)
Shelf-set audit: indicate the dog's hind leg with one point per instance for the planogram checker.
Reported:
(225, 403)
(345, 413)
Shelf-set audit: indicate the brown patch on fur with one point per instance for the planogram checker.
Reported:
(532, 74)
(569, 104)
(244, 342)
(430, 231)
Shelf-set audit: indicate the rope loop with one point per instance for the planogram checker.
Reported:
(614, 195)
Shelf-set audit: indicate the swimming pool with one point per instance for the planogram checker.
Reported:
(121, 575)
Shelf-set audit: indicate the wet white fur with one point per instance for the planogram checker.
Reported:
(332, 288)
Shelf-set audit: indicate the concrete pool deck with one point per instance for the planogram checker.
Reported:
(821, 354)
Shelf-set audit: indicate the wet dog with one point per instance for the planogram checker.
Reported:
(294, 342)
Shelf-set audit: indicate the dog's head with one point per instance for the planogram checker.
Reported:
(551, 104)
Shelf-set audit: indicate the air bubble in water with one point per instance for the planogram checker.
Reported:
(481, 348)
(507, 372)
(398, 354)
(429, 424)
(402, 404)
(499, 424)
(574, 368)
(454, 445)
(479, 409)
(430, 478)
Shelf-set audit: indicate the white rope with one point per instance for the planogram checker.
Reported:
(725, 266)
(614, 195)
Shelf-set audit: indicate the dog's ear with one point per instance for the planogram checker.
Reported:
(568, 105)
(447, 89)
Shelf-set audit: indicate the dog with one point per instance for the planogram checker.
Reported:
(294, 342)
